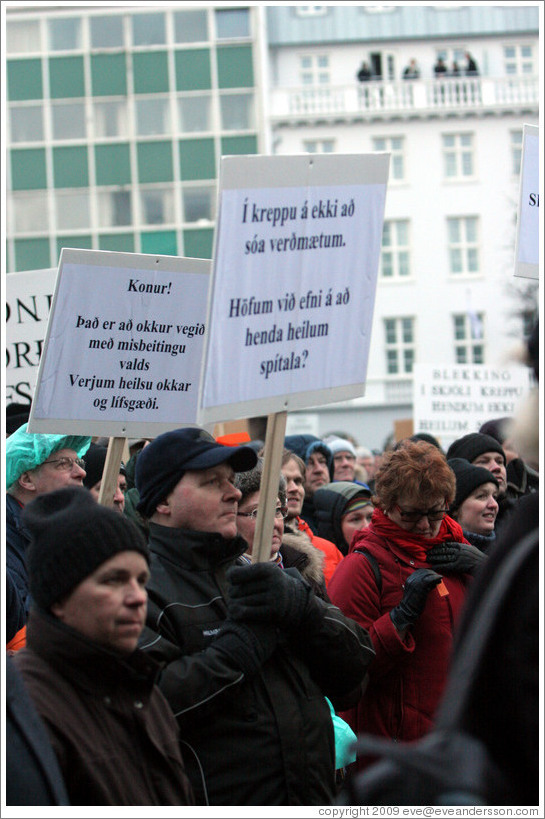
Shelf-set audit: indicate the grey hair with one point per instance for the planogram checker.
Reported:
(250, 482)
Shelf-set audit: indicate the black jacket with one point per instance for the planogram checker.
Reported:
(261, 738)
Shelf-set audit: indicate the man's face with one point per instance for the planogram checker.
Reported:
(493, 461)
(109, 607)
(295, 488)
(60, 470)
(317, 473)
(119, 494)
(246, 524)
(343, 466)
(203, 500)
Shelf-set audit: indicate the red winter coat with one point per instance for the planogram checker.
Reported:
(406, 677)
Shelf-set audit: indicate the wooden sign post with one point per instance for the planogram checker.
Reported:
(110, 473)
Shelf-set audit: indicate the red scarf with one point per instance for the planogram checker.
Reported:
(413, 544)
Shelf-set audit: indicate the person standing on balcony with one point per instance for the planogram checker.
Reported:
(471, 67)
(439, 67)
(364, 72)
(411, 71)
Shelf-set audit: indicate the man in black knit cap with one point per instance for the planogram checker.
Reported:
(113, 733)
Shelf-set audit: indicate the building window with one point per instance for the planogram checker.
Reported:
(319, 146)
(68, 120)
(65, 34)
(110, 119)
(199, 203)
(458, 156)
(237, 112)
(26, 123)
(519, 59)
(23, 36)
(190, 26)
(462, 245)
(468, 338)
(106, 32)
(314, 69)
(152, 116)
(310, 11)
(157, 206)
(30, 212)
(73, 210)
(114, 208)
(396, 147)
(395, 250)
(148, 29)
(194, 113)
(399, 337)
(516, 152)
(231, 23)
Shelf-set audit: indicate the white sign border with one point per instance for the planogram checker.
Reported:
(256, 172)
(109, 428)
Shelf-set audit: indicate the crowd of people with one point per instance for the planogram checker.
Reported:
(152, 660)
(412, 70)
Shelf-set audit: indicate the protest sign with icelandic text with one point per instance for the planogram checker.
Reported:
(123, 350)
(293, 286)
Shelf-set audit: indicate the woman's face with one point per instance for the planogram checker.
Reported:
(246, 522)
(354, 521)
(479, 510)
(413, 516)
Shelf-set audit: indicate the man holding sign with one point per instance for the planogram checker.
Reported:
(250, 652)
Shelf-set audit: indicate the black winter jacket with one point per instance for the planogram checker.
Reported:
(260, 737)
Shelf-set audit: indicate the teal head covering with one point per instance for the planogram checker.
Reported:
(27, 450)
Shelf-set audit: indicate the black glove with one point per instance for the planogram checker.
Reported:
(265, 593)
(250, 645)
(455, 558)
(415, 593)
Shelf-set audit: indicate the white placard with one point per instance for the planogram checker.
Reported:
(28, 302)
(293, 288)
(527, 245)
(123, 351)
(451, 401)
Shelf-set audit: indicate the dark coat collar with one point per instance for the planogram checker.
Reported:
(194, 550)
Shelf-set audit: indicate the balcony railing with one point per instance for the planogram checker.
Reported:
(406, 98)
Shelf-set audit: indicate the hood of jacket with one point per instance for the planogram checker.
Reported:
(329, 503)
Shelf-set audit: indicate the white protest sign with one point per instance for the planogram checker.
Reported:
(123, 351)
(527, 245)
(293, 287)
(450, 401)
(28, 302)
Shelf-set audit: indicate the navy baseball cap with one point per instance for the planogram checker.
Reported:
(163, 462)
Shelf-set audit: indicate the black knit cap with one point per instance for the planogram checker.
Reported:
(163, 462)
(71, 536)
(468, 478)
(472, 445)
(95, 458)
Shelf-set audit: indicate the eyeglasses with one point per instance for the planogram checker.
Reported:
(66, 464)
(414, 515)
(279, 512)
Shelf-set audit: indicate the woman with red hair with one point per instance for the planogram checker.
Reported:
(404, 579)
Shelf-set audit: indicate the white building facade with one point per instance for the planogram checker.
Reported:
(446, 291)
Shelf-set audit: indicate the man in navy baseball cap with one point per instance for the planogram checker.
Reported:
(249, 652)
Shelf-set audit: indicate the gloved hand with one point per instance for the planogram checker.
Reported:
(455, 558)
(265, 593)
(250, 645)
(417, 587)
